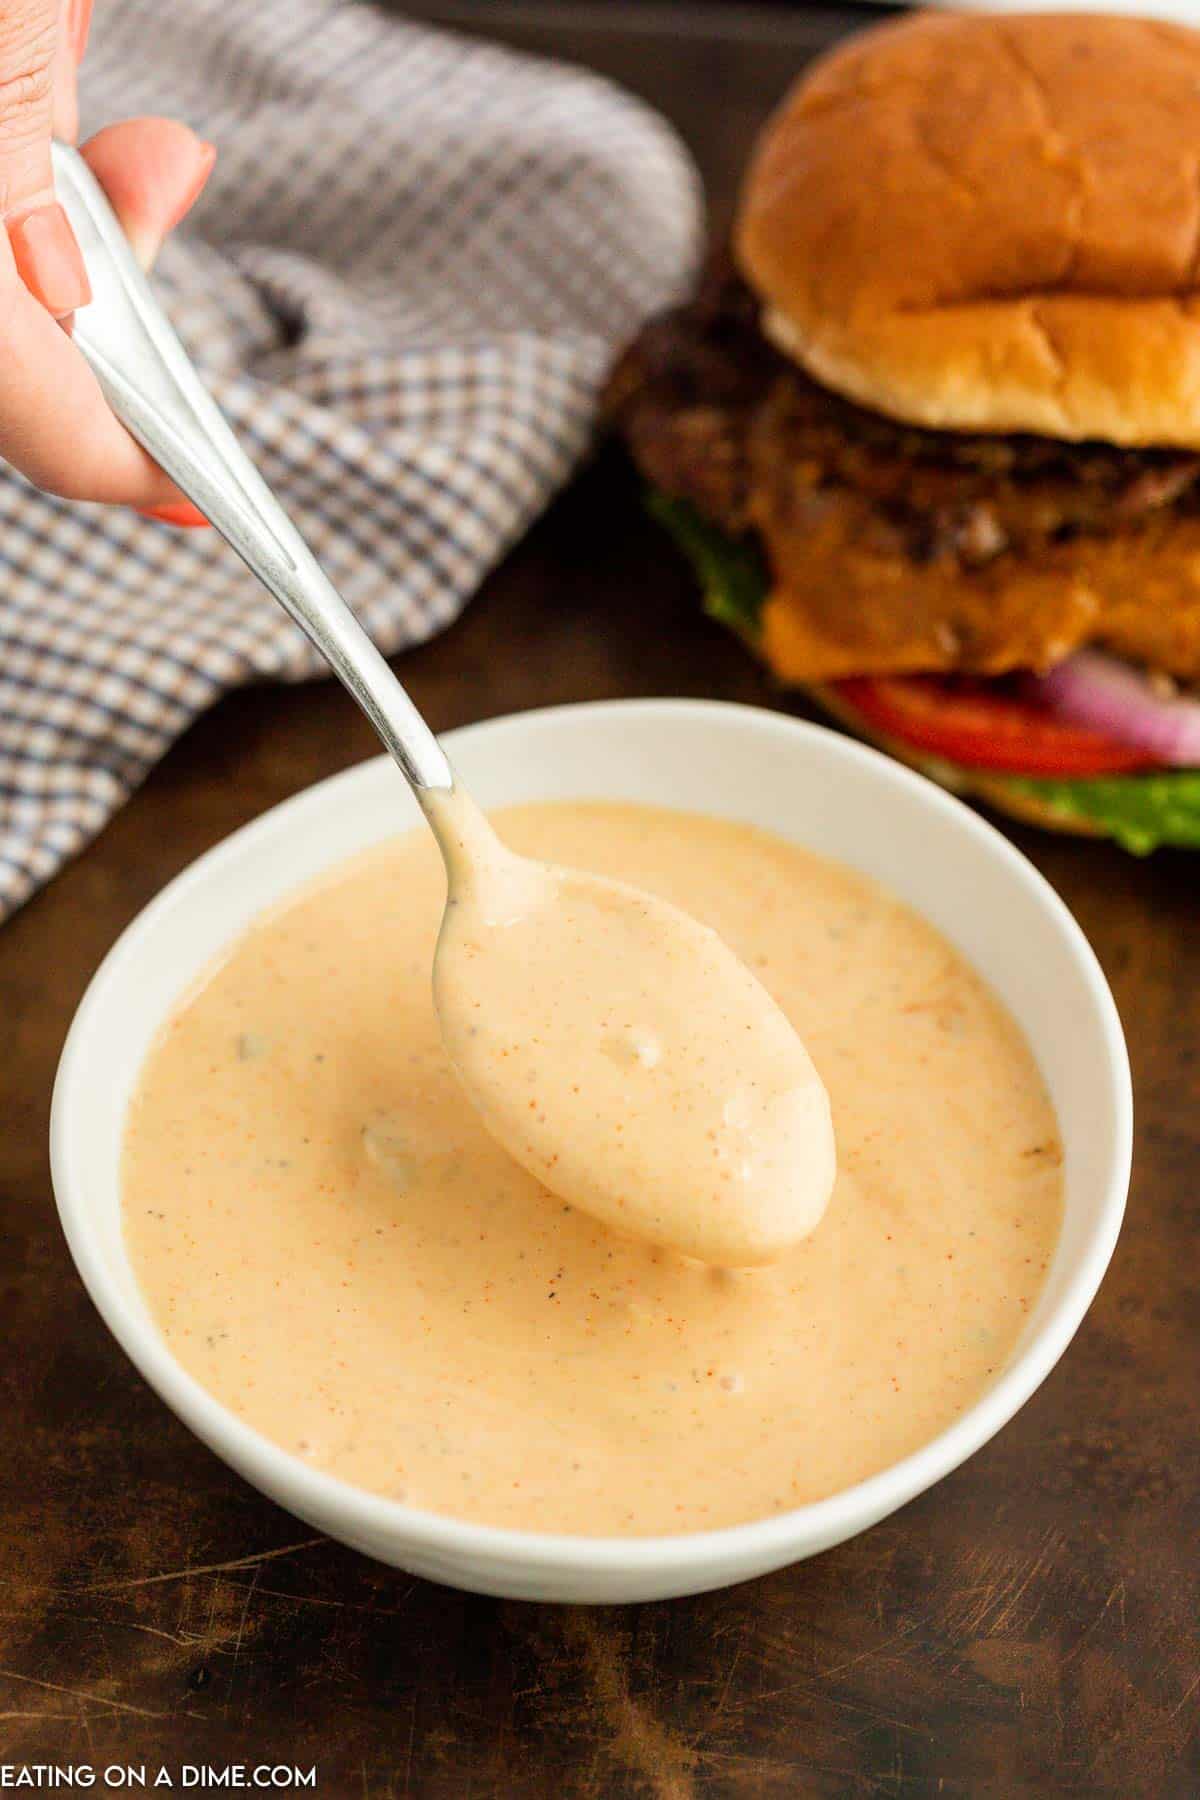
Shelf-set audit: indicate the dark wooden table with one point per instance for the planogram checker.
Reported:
(1028, 1628)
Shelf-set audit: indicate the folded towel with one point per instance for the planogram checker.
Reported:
(404, 282)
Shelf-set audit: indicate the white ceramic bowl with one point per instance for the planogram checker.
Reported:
(799, 780)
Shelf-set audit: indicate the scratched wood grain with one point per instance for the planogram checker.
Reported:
(1027, 1629)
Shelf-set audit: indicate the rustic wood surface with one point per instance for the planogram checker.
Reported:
(1028, 1628)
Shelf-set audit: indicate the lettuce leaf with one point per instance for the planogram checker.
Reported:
(1141, 812)
(732, 572)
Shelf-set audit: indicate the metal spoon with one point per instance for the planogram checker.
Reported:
(720, 1144)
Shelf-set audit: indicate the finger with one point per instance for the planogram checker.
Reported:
(64, 107)
(74, 446)
(55, 425)
(74, 22)
(79, 23)
(28, 42)
(153, 171)
(43, 244)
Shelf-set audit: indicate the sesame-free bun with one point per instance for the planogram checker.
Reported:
(991, 224)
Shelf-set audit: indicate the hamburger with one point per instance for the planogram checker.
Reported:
(929, 429)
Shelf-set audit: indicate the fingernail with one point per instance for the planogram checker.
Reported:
(48, 259)
(175, 512)
(204, 166)
(79, 26)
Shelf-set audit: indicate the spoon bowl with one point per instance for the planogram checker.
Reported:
(622, 1054)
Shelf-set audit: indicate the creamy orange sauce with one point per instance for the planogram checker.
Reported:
(331, 1242)
(624, 1055)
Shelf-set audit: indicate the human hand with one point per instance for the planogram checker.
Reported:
(55, 425)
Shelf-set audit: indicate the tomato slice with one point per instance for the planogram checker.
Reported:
(984, 725)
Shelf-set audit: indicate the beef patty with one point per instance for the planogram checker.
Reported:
(896, 548)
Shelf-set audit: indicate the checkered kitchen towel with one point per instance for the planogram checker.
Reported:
(411, 267)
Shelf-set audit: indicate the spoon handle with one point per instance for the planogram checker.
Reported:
(153, 388)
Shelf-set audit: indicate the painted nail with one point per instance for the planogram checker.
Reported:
(79, 24)
(175, 512)
(48, 259)
(204, 167)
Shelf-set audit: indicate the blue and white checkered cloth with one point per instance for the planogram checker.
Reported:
(404, 283)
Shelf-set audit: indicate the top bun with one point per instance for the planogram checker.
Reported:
(991, 224)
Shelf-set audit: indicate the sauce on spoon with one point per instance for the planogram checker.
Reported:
(623, 1055)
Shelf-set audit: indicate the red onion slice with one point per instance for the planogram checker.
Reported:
(1107, 694)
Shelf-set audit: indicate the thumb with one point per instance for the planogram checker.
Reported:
(43, 244)
(152, 170)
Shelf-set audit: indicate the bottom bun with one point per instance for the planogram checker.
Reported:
(976, 784)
